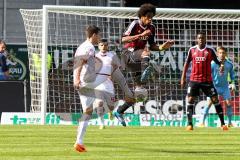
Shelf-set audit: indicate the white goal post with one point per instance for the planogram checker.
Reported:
(54, 32)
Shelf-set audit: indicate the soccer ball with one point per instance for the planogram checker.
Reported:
(140, 94)
(175, 108)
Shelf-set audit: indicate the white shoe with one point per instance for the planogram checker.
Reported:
(101, 127)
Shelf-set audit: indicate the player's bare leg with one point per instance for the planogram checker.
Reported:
(129, 100)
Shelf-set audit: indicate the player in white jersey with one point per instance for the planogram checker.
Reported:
(105, 93)
(85, 79)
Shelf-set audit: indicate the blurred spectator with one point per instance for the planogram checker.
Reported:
(4, 71)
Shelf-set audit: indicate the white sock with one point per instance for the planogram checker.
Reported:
(101, 120)
(82, 128)
(100, 112)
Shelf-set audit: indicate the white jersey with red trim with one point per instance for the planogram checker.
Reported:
(109, 62)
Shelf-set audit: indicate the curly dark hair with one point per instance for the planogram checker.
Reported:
(146, 8)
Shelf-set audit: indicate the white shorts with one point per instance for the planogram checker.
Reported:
(88, 92)
(87, 98)
(105, 93)
(106, 86)
(99, 80)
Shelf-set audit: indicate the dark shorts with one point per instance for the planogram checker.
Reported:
(131, 60)
(207, 88)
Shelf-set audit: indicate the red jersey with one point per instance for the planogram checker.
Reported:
(201, 63)
(136, 28)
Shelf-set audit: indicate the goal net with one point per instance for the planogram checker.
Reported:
(54, 32)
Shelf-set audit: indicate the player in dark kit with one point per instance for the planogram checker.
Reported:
(201, 56)
(135, 56)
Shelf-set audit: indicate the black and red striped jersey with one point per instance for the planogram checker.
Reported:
(201, 63)
(136, 28)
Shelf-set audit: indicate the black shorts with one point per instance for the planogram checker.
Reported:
(131, 60)
(207, 88)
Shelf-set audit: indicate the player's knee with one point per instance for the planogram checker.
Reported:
(215, 100)
(190, 100)
(145, 54)
(100, 110)
(228, 103)
(111, 108)
(130, 100)
(89, 111)
(100, 103)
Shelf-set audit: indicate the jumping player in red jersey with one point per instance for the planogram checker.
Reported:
(201, 56)
(135, 56)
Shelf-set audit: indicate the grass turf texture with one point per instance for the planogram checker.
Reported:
(166, 143)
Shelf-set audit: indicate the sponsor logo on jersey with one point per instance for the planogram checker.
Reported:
(205, 53)
(200, 59)
(143, 38)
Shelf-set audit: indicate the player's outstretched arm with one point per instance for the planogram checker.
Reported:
(164, 46)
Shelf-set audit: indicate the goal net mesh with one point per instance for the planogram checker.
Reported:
(66, 31)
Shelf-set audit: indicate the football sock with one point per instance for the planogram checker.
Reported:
(190, 113)
(100, 112)
(205, 113)
(229, 114)
(121, 109)
(82, 128)
(146, 69)
(101, 120)
(145, 62)
(219, 111)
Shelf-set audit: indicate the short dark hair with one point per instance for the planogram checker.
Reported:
(91, 30)
(146, 8)
(103, 41)
(201, 33)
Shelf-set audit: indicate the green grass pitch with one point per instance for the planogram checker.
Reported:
(26, 142)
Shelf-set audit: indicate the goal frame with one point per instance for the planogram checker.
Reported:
(51, 8)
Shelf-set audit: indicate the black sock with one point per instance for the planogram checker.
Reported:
(190, 113)
(219, 111)
(121, 109)
(145, 63)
